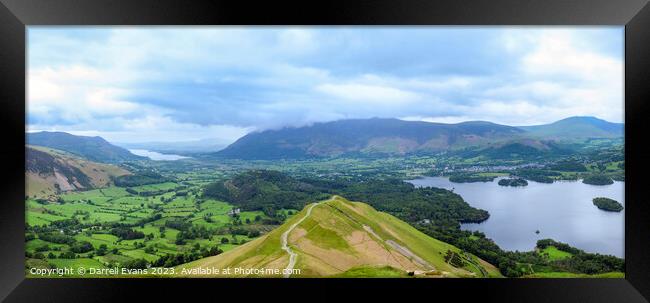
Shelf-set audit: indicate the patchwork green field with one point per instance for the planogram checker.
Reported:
(122, 227)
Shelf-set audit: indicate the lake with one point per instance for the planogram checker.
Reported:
(562, 211)
(156, 155)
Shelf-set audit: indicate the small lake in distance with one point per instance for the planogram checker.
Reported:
(562, 211)
(156, 156)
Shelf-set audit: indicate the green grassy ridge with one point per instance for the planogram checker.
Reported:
(428, 248)
(267, 246)
(269, 243)
(325, 237)
(330, 222)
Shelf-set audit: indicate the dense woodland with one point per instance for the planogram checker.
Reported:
(265, 190)
(468, 178)
(582, 262)
(513, 264)
(568, 165)
(140, 178)
(537, 175)
(269, 190)
(598, 180)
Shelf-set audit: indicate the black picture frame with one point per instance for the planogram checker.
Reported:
(15, 15)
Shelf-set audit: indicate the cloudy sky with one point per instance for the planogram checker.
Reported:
(146, 84)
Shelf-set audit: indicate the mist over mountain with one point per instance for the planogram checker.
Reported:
(366, 136)
(358, 137)
(378, 136)
(92, 148)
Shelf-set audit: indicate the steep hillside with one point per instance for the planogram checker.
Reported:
(49, 172)
(339, 238)
(577, 128)
(92, 148)
(366, 137)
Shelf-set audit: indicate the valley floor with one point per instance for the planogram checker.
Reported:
(171, 225)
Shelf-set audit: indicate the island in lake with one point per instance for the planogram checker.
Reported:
(608, 204)
(513, 182)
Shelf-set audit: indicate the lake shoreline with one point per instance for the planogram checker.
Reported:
(561, 210)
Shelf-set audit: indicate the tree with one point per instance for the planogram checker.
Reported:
(179, 239)
(101, 251)
(127, 233)
(208, 218)
(81, 247)
(42, 248)
(67, 255)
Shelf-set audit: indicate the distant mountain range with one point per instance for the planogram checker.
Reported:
(365, 137)
(92, 148)
(397, 137)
